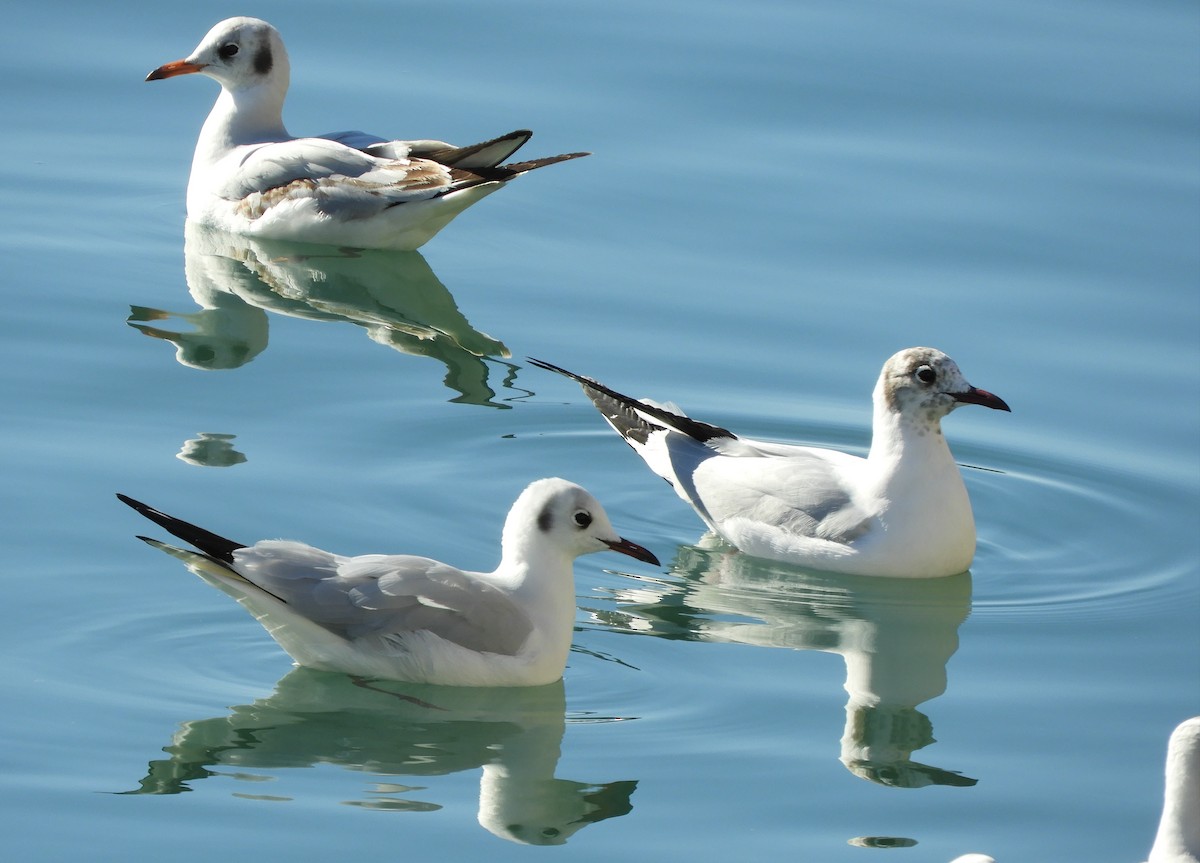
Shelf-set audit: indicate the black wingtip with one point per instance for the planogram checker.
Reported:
(551, 367)
(217, 547)
(547, 160)
(513, 169)
(627, 413)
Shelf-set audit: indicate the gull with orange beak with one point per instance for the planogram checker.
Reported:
(250, 176)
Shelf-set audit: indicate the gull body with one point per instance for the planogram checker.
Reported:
(902, 511)
(250, 176)
(411, 618)
(1178, 837)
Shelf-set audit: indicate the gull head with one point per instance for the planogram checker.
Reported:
(923, 385)
(559, 515)
(238, 53)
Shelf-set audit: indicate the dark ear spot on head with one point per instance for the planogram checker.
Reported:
(263, 60)
(545, 519)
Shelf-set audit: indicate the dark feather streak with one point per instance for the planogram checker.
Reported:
(217, 547)
(625, 413)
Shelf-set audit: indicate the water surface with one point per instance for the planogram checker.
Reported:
(780, 196)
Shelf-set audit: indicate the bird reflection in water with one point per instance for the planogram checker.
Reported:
(210, 449)
(895, 635)
(514, 735)
(394, 296)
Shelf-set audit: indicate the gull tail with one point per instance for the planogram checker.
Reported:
(467, 177)
(218, 548)
(633, 419)
(486, 154)
(485, 158)
(464, 177)
(513, 169)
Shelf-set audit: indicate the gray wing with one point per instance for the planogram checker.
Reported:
(796, 489)
(793, 488)
(486, 154)
(381, 148)
(386, 596)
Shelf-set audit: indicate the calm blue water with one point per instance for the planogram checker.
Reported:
(782, 195)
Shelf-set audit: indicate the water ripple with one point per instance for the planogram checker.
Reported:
(1079, 537)
(184, 670)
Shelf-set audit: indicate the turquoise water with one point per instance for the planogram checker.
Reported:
(781, 195)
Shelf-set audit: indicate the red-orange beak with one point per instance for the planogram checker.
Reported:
(170, 70)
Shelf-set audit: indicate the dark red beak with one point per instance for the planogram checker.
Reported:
(633, 550)
(976, 396)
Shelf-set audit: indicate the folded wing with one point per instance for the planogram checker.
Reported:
(386, 597)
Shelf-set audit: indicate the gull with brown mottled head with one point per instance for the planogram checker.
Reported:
(902, 511)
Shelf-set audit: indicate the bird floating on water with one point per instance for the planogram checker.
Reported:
(902, 511)
(250, 176)
(1178, 836)
(404, 617)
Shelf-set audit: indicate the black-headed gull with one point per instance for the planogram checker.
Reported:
(410, 618)
(902, 511)
(346, 188)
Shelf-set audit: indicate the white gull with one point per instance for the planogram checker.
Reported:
(902, 511)
(1178, 837)
(410, 618)
(250, 176)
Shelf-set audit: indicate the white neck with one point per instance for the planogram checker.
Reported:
(899, 443)
(541, 579)
(250, 116)
(910, 461)
(1178, 836)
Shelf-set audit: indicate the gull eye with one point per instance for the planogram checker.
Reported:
(227, 50)
(926, 375)
(583, 518)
